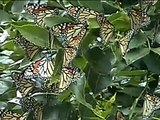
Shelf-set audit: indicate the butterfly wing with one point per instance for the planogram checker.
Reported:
(68, 75)
(30, 49)
(25, 86)
(41, 69)
(151, 103)
(69, 54)
(81, 14)
(124, 42)
(106, 29)
(40, 12)
(72, 33)
(38, 112)
(139, 19)
(120, 116)
(9, 115)
(150, 2)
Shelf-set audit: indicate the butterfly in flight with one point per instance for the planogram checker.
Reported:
(120, 116)
(30, 49)
(40, 12)
(106, 28)
(151, 103)
(81, 14)
(72, 33)
(42, 69)
(139, 19)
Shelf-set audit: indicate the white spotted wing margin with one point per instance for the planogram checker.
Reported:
(151, 103)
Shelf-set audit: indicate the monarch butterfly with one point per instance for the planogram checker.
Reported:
(124, 42)
(106, 29)
(38, 112)
(28, 103)
(9, 115)
(30, 49)
(150, 2)
(120, 116)
(40, 11)
(151, 103)
(72, 33)
(81, 14)
(68, 75)
(69, 54)
(139, 19)
(25, 86)
(42, 69)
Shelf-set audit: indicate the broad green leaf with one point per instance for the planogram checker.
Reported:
(136, 54)
(100, 61)
(5, 60)
(109, 8)
(156, 50)
(80, 62)
(90, 36)
(151, 62)
(137, 40)
(95, 5)
(6, 18)
(132, 73)
(18, 6)
(73, 2)
(102, 81)
(52, 21)
(54, 3)
(120, 21)
(34, 34)
(4, 86)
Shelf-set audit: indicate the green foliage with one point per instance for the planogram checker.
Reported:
(110, 82)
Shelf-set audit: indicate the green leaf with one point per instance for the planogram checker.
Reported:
(4, 86)
(18, 6)
(6, 18)
(152, 61)
(136, 54)
(120, 21)
(95, 5)
(90, 36)
(100, 61)
(54, 20)
(137, 40)
(34, 34)
(109, 9)
(132, 73)
(156, 50)
(54, 3)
